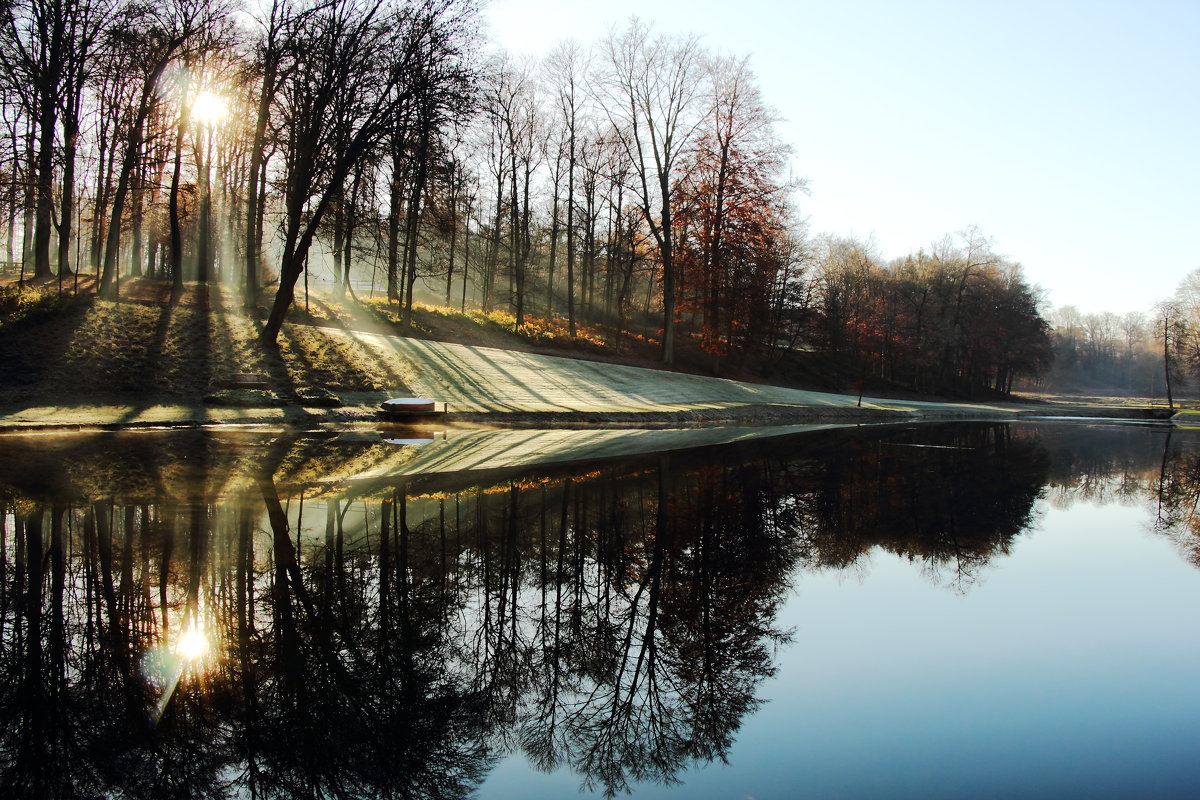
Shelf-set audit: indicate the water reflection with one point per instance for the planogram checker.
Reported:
(191, 615)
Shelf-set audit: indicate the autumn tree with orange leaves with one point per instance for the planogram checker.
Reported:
(734, 216)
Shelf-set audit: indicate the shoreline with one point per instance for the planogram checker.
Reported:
(138, 414)
(482, 385)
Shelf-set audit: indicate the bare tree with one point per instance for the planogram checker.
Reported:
(160, 34)
(441, 98)
(735, 206)
(48, 50)
(566, 67)
(354, 75)
(1170, 332)
(273, 57)
(651, 91)
(513, 106)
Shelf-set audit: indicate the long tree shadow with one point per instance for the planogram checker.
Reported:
(36, 344)
(331, 319)
(156, 350)
(273, 361)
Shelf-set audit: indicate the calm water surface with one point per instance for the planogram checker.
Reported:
(966, 610)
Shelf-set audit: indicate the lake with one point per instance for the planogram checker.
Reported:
(932, 610)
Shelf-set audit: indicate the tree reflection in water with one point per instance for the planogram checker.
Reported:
(394, 638)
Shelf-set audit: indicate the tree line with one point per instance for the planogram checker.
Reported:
(192, 140)
(637, 183)
(1154, 352)
(1105, 352)
(955, 318)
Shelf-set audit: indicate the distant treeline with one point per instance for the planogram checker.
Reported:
(1154, 353)
(955, 319)
(1106, 353)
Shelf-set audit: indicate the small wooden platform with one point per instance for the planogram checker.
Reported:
(411, 407)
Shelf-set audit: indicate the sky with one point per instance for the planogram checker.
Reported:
(1067, 131)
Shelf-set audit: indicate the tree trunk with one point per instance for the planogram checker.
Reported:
(413, 218)
(29, 211)
(668, 341)
(204, 249)
(571, 238)
(66, 228)
(254, 201)
(339, 238)
(466, 255)
(176, 230)
(493, 255)
(44, 198)
(553, 260)
(1167, 361)
(107, 156)
(396, 206)
(135, 232)
(132, 152)
(453, 242)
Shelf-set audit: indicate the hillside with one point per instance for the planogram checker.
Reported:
(144, 343)
(145, 360)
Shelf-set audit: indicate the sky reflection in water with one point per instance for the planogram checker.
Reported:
(1008, 613)
(1067, 671)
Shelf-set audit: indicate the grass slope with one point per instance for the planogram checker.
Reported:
(149, 359)
(148, 346)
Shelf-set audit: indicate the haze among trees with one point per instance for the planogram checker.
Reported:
(636, 185)
(1140, 353)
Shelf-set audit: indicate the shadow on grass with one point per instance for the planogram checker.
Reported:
(35, 341)
(332, 319)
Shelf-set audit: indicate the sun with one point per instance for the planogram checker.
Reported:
(209, 108)
(193, 644)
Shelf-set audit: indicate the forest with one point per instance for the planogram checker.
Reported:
(635, 184)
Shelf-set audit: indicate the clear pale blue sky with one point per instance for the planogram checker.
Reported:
(1067, 130)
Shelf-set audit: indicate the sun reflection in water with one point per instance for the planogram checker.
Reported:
(165, 665)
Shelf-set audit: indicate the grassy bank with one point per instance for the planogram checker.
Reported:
(59, 344)
(56, 348)
(150, 359)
